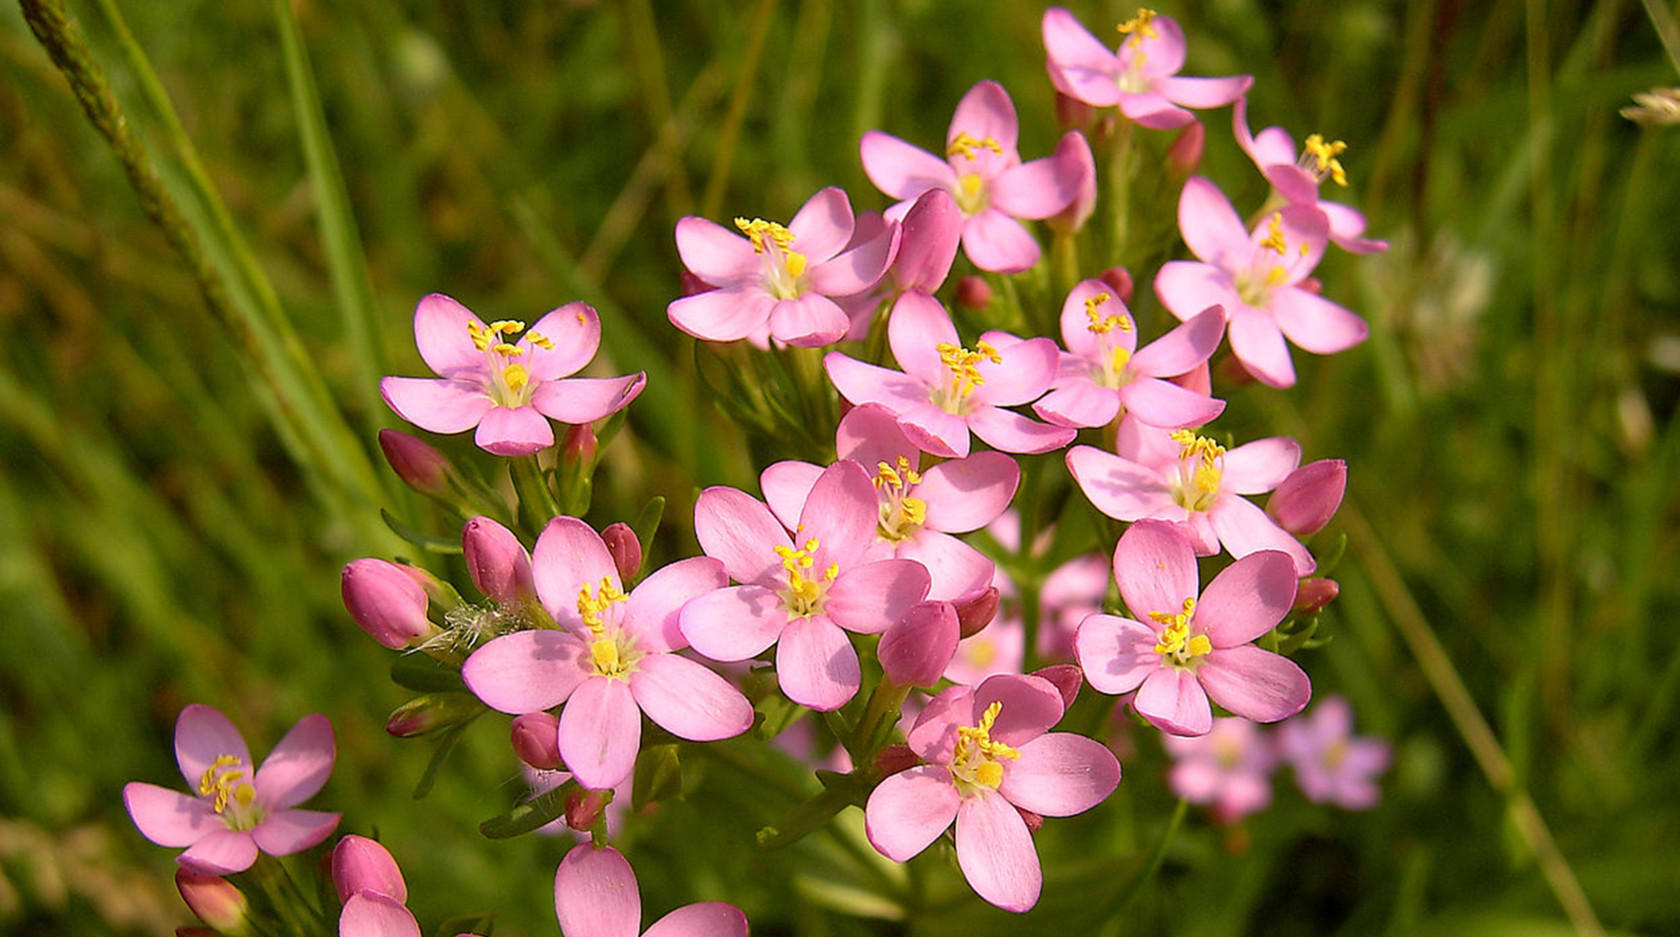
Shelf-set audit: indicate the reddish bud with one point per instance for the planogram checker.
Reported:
(497, 562)
(386, 602)
(1312, 285)
(1066, 678)
(536, 740)
(973, 293)
(417, 463)
(361, 865)
(578, 445)
(916, 649)
(626, 550)
(432, 712)
(1184, 155)
(584, 808)
(214, 900)
(1309, 497)
(893, 759)
(692, 285)
(1313, 594)
(1119, 279)
(1072, 113)
(976, 611)
(1033, 820)
(1233, 374)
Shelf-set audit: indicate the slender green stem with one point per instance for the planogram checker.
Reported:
(873, 727)
(1120, 189)
(1151, 865)
(537, 503)
(1667, 30)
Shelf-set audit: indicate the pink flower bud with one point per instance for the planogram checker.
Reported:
(214, 900)
(973, 293)
(417, 463)
(1198, 379)
(361, 865)
(385, 602)
(1313, 594)
(1072, 113)
(498, 563)
(916, 649)
(578, 445)
(1309, 497)
(1076, 170)
(929, 236)
(1033, 820)
(975, 612)
(626, 550)
(1118, 279)
(536, 740)
(893, 759)
(584, 808)
(1066, 678)
(1184, 155)
(692, 285)
(432, 712)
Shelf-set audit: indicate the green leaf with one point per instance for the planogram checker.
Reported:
(425, 542)
(535, 813)
(658, 776)
(423, 674)
(445, 745)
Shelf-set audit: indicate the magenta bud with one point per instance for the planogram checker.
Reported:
(1072, 113)
(1033, 820)
(916, 649)
(1076, 172)
(692, 285)
(214, 900)
(1119, 279)
(1312, 285)
(626, 550)
(536, 740)
(1233, 374)
(361, 865)
(1309, 497)
(432, 712)
(973, 293)
(1184, 154)
(498, 563)
(927, 243)
(584, 808)
(386, 602)
(1066, 678)
(417, 463)
(976, 610)
(1313, 594)
(578, 445)
(893, 759)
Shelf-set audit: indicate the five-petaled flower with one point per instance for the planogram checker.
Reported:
(1140, 75)
(1297, 177)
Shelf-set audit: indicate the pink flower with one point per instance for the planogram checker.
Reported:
(800, 594)
(1306, 500)
(1140, 75)
(983, 171)
(1257, 278)
(509, 388)
(387, 602)
(1332, 765)
(1297, 178)
(999, 648)
(918, 511)
(990, 757)
(1186, 646)
(1230, 767)
(595, 895)
(949, 390)
(237, 808)
(1195, 483)
(776, 276)
(612, 658)
(1072, 591)
(1104, 374)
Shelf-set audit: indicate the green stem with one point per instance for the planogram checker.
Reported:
(1064, 263)
(1146, 872)
(1120, 188)
(712, 202)
(876, 723)
(537, 503)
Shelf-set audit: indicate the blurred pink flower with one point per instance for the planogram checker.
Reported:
(1140, 75)
(595, 895)
(1230, 768)
(1297, 178)
(1332, 765)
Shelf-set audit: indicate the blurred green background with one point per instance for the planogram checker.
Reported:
(180, 483)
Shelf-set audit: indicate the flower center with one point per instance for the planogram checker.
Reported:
(964, 369)
(1254, 285)
(1113, 367)
(1176, 645)
(1139, 27)
(1319, 159)
(804, 596)
(510, 381)
(783, 266)
(901, 514)
(226, 780)
(977, 761)
(970, 194)
(1201, 467)
(611, 654)
(1132, 55)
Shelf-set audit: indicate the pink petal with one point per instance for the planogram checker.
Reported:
(856, 270)
(823, 225)
(440, 332)
(1258, 344)
(575, 332)
(1316, 324)
(441, 406)
(600, 733)
(221, 852)
(733, 624)
(901, 170)
(868, 598)
(169, 818)
(1247, 599)
(578, 400)
(1012, 432)
(738, 529)
(299, 764)
(707, 919)
(1033, 190)
(811, 321)
(1211, 228)
(371, 915)
(1162, 55)
(1184, 348)
(569, 555)
(1080, 402)
(1115, 653)
(1244, 529)
(907, 811)
(716, 254)
(1188, 288)
(722, 315)
(841, 514)
(1060, 774)
(934, 734)
(1174, 702)
(985, 112)
(527, 671)
(595, 894)
(1023, 374)
(289, 831)
(1259, 466)
(932, 232)
(1255, 684)
(870, 435)
(996, 853)
(967, 494)
(1070, 45)
(916, 329)
(954, 568)
(689, 701)
(866, 383)
(652, 615)
(1029, 706)
(1346, 226)
(1155, 567)
(1165, 404)
(1203, 93)
(998, 243)
(1076, 324)
(816, 664)
(514, 431)
(1118, 487)
(1154, 111)
(935, 430)
(203, 734)
(787, 485)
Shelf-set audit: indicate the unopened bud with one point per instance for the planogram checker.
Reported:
(214, 900)
(361, 865)
(1233, 374)
(536, 740)
(497, 562)
(692, 285)
(578, 445)
(432, 712)
(584, 808)
(1198, 379)
(1118, 279)
(1067, 680)
(417, 463)
(1184, 154)
(626, 550)
(1076, 173)
(893, 759)
(1072, 113)
(976, 611)
(928, 240)
(916, 649)
(973, 293)
(1309, 497)
(1033, 820)
(1313, 594)
(386, 602)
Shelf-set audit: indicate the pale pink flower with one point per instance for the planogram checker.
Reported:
(1229, 768)
(778, 280)
(801, 593)
(1140, 75)
(1258, 278)
(1185, 645)
(999, 648)
(1103, 373)
(1297, 178)
(508, 387)
(946, 390)
(990, 756)
(595, 895)
(236, 807)
(983, 171)
(612, 659)
(918, 511)
(1332, 765)
(1072, 591)
(1196, 484)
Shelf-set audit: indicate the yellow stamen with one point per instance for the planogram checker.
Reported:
(1176, 641)
(758, 229)
(1117, 360)
(1101, 324)
(976, 757)
(1324, 155)
(1208, 471)
(1139, 27)
(515, 376)
(964, 145)
(592, 602)
(896, 477)
(795, 264)
(491, 337)
(603, 652)
(225, 778)
(540, 340)
(503, 348)
(804, 593)
(964, 365)
(1274, 234)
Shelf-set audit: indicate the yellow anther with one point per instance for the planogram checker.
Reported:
(491, 337)
(503, 348)
(964, 365)
(964, 145)
(1324, 156)
(758, 229)
(507, 326)
(1100, 324)
(795, 264)
(1176, 641)
(975, 759)
(1274, 234)
(515, 376)
(1207, 471)
(889, 475)
(480, 335)
(540, 340)
(1139, 26)
(915, 511)
(592, 602)
(603, 653)
(804, 592)
(225, 778)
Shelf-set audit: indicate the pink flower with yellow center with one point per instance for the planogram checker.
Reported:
(1229, 768)
(1298, 177)
(1332, 765)
(1140, 75)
